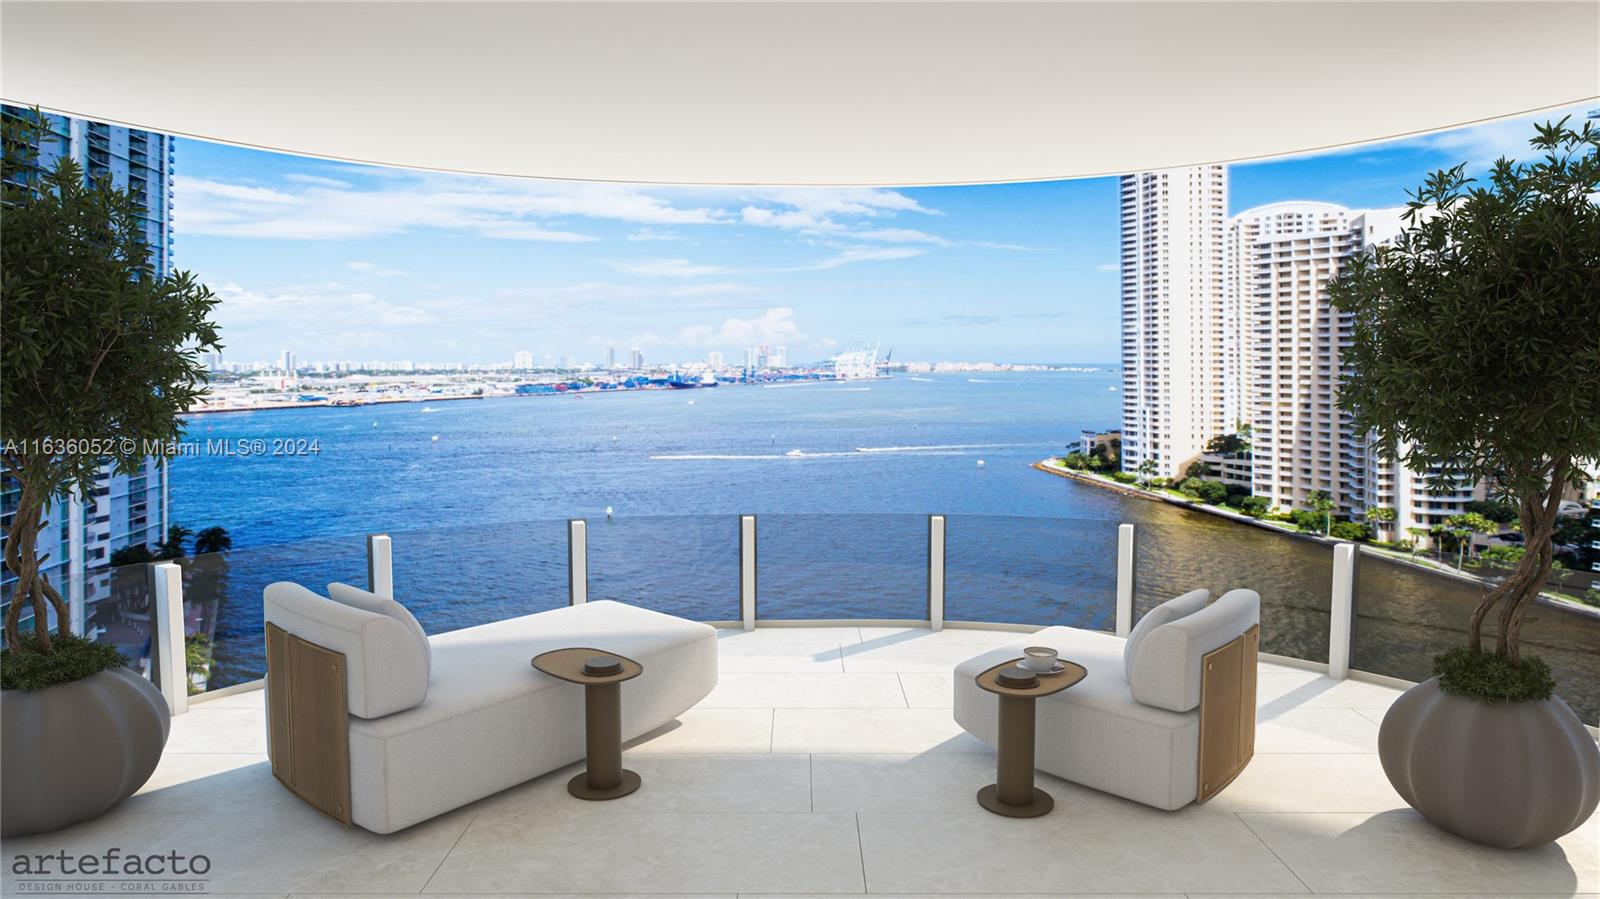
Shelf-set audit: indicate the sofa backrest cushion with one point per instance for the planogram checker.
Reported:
(1171, 610)
(383, 605)
(1166, 666)
(386, 671)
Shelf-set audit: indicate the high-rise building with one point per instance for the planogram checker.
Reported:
(121, 509)
(778, 357)
(611, 357)
(286, 362)
(752, 358)
(635, 359)
(1175, 318)
(522, 360)
(1282, 257)
(714, 359)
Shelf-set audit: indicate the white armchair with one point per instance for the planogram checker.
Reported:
(1165, 717)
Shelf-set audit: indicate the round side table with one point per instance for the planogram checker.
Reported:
(601, 673)
(1013, 793)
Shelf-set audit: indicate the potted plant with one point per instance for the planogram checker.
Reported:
(1475, 354)
(99, 362)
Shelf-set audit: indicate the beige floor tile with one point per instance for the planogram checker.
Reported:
(928, 690)
(1399, 851)
(296, 850)
(870, 730)
(931, 782)
(686, 853)
(216, 730)
(203, 784)
(843, 634)
(1316, 731)
(745, 783)
(937, 657)
(813, 690)
(1279, 688)
(1098, 844)
(710, 731)
(1308, 782)
(734, 656)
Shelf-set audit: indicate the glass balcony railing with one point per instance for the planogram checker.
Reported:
(1002, 570)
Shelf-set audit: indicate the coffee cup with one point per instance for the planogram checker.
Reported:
(1039, 658)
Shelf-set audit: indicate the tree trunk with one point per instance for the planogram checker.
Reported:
(23, 559)
(1539, 515)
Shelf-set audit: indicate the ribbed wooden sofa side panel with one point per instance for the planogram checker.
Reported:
(308, 721)
(1227, 712)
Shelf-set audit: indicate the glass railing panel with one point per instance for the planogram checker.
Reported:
(451, 578)
(117, 610)
(1019, 570)
(1406, 615)
(842, 566)
(1294, 576)
(682, 565)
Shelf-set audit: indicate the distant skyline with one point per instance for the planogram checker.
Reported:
(342, 261)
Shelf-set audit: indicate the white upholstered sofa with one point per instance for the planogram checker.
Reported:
(379, 725)
(1165, 717)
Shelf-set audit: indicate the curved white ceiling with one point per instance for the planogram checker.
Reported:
(798, 93)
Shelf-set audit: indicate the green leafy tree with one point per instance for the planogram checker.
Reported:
(1498, 512)
(1381, 517)
(1075, 460)
(97, 348)
(1416, 535)
(176, 546)
(1474, 346)
(1146, 470)
(1255, 506)
(1320, 502)
(1464, 526)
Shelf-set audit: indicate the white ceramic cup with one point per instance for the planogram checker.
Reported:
(1038, 658)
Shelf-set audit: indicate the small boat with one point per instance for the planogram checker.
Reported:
(794, 452)
(427, 409)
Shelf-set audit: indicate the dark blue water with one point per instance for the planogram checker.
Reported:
(478, 515)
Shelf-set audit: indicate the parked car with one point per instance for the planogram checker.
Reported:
(1570, 509)
(1509, 537)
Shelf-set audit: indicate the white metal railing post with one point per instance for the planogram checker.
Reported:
(1341, 615)
(747, 571)
(1124, 579)
(936, 572)
(168, 661)
(577, 561)
(380, 565)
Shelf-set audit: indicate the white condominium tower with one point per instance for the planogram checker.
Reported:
(1281, 258)
(121, 509)
(1177, 371)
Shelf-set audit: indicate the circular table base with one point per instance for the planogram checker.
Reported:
(1041, 804)
(579, 786)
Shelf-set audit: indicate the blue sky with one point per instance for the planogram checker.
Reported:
(338, 261)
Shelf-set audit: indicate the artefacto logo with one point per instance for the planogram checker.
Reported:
(114, 871)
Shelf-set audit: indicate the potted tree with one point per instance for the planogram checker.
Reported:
(99, 362)
(1474, 354)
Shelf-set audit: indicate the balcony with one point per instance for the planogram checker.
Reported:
(826, 760)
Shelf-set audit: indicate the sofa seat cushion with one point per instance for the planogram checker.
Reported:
(1171, 610)
(386, 666)
(1093, 733)
(491, 720)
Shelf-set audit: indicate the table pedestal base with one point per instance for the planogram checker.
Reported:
(1041, 804)
(579, 786)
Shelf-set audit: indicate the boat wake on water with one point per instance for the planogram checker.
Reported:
(946, 449)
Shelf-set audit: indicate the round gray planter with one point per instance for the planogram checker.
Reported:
(1508, 774)
(70, 752)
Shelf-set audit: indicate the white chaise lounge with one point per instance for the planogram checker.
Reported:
(379, 725)
(1165, 717)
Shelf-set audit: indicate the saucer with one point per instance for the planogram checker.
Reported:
(1056, 670)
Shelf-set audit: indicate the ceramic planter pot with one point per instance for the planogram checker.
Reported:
(1508, 774)
(70, 752)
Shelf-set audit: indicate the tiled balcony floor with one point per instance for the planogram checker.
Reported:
(827, 761)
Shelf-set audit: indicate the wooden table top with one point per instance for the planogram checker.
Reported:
(567, 664)
(1070, 673)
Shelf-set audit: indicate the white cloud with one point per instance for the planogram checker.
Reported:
(899, 235)
(318, 180)
(653, 234)
(665, 268)
(862, 254)
(390, 202)
(775, 326)
(820, 210)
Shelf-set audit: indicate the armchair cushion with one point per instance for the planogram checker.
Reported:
(1166, 663)
(1171, 610)
(383, 605)
(386, 670)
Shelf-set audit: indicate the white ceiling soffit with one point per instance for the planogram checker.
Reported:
(798, 93)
